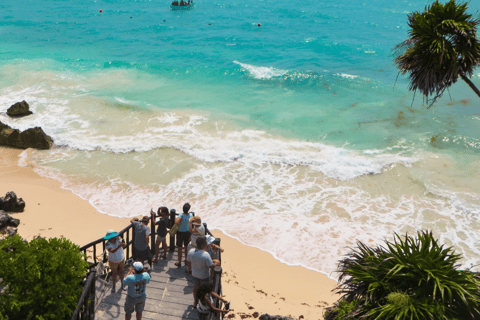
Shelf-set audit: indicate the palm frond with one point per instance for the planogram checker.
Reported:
(442, 46)
(409, 278)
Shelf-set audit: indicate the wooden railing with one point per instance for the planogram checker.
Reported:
(86, 308)
(128, 234)
(86, 305)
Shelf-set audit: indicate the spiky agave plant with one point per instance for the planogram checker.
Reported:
(409, 278)
(442, 46)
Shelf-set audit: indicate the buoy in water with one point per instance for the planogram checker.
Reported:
(101, 10)
(258, 24)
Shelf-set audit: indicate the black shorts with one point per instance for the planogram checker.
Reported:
(141, 255)
(183, 238)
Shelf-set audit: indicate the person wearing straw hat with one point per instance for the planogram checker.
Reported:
(116, 257)
(136, 281)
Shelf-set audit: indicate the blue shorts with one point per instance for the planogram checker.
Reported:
(134, 304)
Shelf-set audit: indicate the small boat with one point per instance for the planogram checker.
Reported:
(182, 5)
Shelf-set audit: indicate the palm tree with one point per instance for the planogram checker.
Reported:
(412, 278)
(442, 46)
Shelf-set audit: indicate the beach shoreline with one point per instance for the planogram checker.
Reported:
(259, 283)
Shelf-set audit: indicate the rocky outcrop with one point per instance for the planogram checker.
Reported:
(19, 109)
(8, 221)
(9, 224)
(11, 203)
(30, 138)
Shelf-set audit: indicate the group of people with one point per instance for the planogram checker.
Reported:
(191, 241)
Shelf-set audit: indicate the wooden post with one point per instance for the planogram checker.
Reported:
(206, 229)
(217, 287)
(172, 236)
(128, 245)
(152, 234)
(133, 238)
(91, 299)
(105, 259)
(217, 242)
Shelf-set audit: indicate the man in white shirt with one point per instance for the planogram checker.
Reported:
(201, 265)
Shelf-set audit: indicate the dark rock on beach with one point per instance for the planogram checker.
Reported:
(9, 232)
(7, 221)
(30, 138)
(19, 109)
(11, 203)
(266, 316)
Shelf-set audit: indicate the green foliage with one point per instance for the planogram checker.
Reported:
(442, 46)
(410, 278)
(42, 278)
(342, 310)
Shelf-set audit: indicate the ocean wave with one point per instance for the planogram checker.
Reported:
(291, 212)
(88, 123)
(262, 72)
(247, 146)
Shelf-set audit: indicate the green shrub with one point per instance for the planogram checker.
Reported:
(342, 310)
(411, 278)
(42, 277)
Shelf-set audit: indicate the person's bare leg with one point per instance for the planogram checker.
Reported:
(195, 299)
(114, 277)
(180, 251)
(139, 316)
(121, 272)
(186, 253)
(157, 249)
(165, 248)
(128, 316)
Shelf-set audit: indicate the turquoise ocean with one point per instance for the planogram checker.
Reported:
(295, 136)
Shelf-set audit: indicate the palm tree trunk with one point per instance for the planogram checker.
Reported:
(470, 83)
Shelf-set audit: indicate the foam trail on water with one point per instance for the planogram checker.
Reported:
(262, 72)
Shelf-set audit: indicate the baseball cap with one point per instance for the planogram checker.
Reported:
(138, 266)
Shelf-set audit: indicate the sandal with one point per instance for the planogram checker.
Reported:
(155, 260)
(164, 257)
(188, 271)
(178, 264)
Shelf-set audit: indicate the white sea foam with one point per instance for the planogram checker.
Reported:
(347, 76)
(299, 217)
(262, 72)
(124, 101)
(88, 128)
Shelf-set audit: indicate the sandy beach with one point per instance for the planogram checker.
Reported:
(253, 280)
